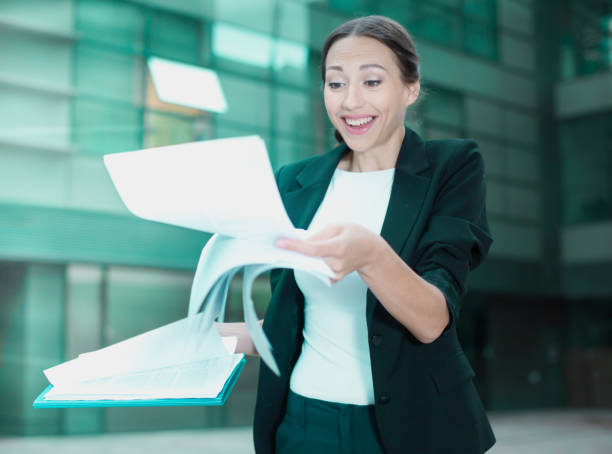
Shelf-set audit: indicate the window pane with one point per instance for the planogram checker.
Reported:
(254, 15)
(175, 37)
(105, 127)
(108, 74)
(168, 129)
(287, 151)
(293, 114)
(443, 107)
(437, 24)
(587, 168)
(481, 10)
(255, 112)
(114, 23)
(480, 39)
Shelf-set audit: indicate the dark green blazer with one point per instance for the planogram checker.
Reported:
(426, 402)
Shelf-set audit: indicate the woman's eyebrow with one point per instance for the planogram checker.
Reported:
(372, 65)
(365, 66)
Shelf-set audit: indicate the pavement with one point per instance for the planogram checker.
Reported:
(564, 431)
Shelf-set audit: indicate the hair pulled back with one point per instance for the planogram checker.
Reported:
(388, 32)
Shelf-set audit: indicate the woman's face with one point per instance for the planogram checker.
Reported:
(365, 96)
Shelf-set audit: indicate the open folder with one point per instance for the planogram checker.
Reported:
(225, 187)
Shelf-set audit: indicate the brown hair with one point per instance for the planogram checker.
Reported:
(388, 32)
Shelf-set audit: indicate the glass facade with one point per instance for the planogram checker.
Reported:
(587, 168)
(273, 58)
(587, 42)
(75, 84)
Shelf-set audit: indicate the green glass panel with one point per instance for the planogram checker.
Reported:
(132, 292)
(448, 3)
(104, 127)
(591, 32)
(437, 24)
(175, 37)
(399, 11)
(107, 74)
(293, 113)
(242, 45)
(352, 7)
(110, 22)
(321, 24)
(168, 129)
(224, 129)
(38, 59)
(291, 62)
(294, 21)
(443, 107)
(480, 39)
(248, 101)
(253, 15)
(481, 10)
(287, 151)
(46, 234)
(587, 168)
(34, 117)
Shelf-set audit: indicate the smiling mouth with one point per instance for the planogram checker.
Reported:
(358, 125)
(356, 122)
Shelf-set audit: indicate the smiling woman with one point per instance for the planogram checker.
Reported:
(378, 34)
(366, 93)
(373, 364)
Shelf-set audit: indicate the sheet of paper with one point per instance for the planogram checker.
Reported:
(173, 344)
(220, 186)
(260, 341)
(221, 258)
(230, 343)
(199, 379)
(225, 186)
(223, 253)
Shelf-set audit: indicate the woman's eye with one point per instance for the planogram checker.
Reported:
(334, 85)
(372, 83)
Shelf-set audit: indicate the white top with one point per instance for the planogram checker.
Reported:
(334, 364)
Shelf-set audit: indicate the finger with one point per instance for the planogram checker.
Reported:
(301, 246)
(325, 233)
(321, 248)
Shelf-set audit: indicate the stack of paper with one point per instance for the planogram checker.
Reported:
(175, 361)
(223, 186)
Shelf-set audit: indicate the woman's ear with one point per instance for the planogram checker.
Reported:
(412, 92)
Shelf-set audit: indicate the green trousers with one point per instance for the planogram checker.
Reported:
(317, 426)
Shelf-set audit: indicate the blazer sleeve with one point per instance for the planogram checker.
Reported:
(457, 237)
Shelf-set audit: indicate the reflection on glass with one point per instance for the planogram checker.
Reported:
(187, 85)
(257, 49)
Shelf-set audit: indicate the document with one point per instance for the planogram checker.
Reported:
(225, 187)
(163, 363)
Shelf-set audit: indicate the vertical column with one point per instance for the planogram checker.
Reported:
(11, 356)
(83, 333)
(42, 319)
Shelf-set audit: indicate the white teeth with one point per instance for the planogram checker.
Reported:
(359, 122)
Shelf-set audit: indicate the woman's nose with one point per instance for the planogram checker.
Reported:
(353, 98)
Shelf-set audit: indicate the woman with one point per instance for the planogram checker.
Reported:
(372, 364)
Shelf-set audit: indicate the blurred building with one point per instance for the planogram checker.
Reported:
(529, 80)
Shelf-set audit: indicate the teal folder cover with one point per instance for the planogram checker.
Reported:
(40, 401)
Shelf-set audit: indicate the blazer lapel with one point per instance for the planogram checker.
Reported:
(407, 191)
(302, 203)
(407, 195)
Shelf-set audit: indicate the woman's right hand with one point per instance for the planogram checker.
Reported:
(241, 332)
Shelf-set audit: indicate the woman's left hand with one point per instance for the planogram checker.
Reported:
(344, 247)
